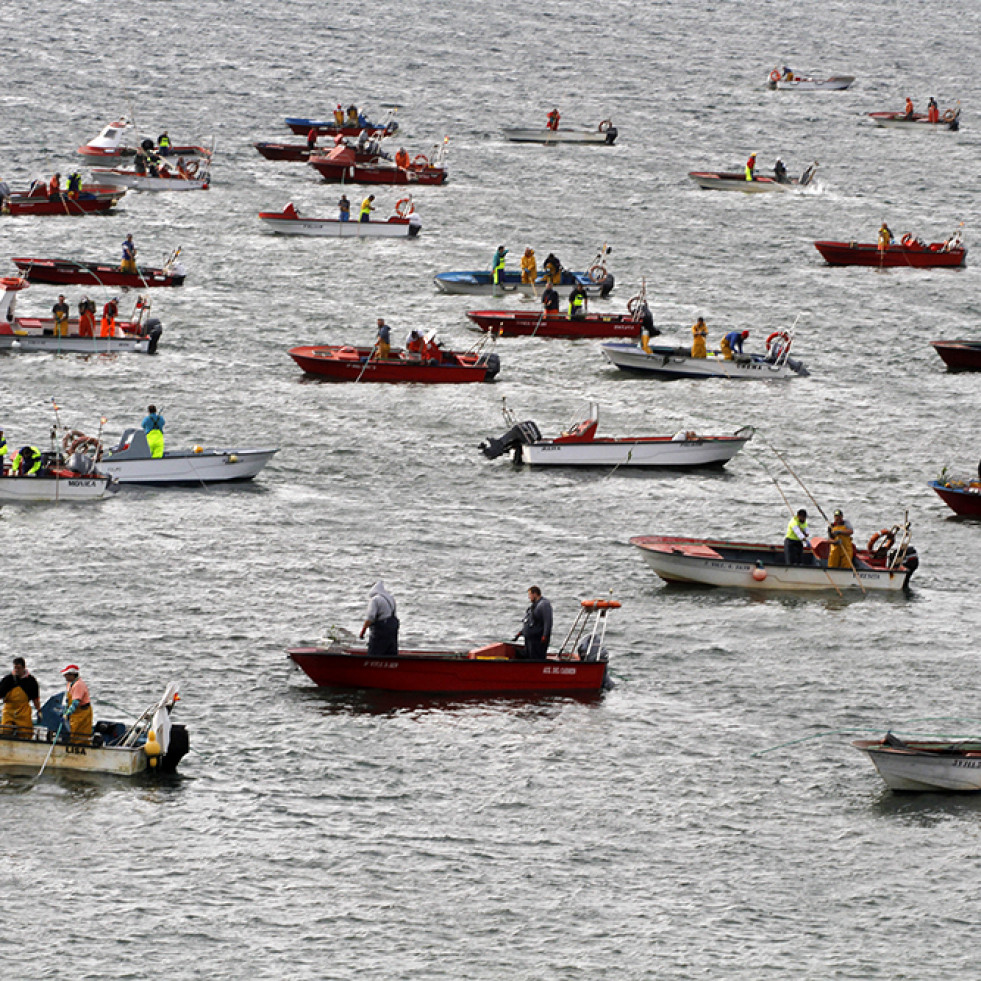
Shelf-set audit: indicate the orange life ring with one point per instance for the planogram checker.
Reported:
(881, 541)
(949, 116)
(775, 75)
(605, 125)
(191, 168)
(596, 273)
(404, 207)
(907, 239)
(84, 443)
(634, 304)
(9, 282)
(420, 160)
(781, 335)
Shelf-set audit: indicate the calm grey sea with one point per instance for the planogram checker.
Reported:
(316, 835)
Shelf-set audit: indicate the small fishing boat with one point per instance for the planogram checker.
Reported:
(578, 667)
(347, 363)
(153, 743)
(130, 461)
(405, 223)
(120, 141)
(341, 165)
(579, 446)
(949, 121)
(961, 494)
(65, 272)
(712, 180)
(925, 764)
(301, 125)
(526, 323)
(169, 180)
(910, 253)
(885, 565)
(366, 150)
(959, 355)
(56, 483)
(787, 79)
(668, 362)
(140, 334)
(91, 199)
(605, 134)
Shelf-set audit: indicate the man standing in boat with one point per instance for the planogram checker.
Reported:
(795, 539)
(751, 167)
(17, 690)
(842, 551)
(699, 331)
(78, 705)
(381, 621)
(60, 311)
(344, 208)
(553, 120)
(128, 265)
(577, 303)
(885, 237)
(550, 300)
(497, 266)
(780, 172)
(366, 208)
(153, 425)
(383, 343)
(536, 629)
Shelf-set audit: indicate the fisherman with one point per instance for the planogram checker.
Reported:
(153, 425)
(17, 690)
(128, 265)
(26, 462)
(74, 185)
(60, 311)
(536, 628)
(344, 208)
(54, 188)
(414, 344)
(339, 115)
(553, 269)
(780, 172)
(647, 328)
(933, 111)
(795, 539)
(3, 454)
(550, 299)
(163, 144)
(732, 343)
(577, 303)
(78, 705)
(311, 137)
(366, 208)
(553, 120)
(432, 353)
(529, 266)
(109, 313)
(139, 164)
(885, 237)
(402, 158)
(842, 551)
(497, 265)
(698, 334)
(383, 344)
(908, 109)
(381, 621)
(4, 192)
(352, 115)
(751, 167)
(86, 317)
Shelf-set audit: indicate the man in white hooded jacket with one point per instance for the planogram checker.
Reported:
(383, 639)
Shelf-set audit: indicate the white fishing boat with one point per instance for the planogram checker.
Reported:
(131, 462)
(58, 485)
(666, 362)
(140, 334)
(715, 180)
(579, 446)
(405, 223)
(153, 742)
(120, 140)
(925, 764)
(138, 181)
(605, 134)
(789, 80)
(763, 568)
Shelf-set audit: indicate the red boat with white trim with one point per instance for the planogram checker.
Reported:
(92, 199)
(579, 666)
(341, 165)
(961, 495)
(365, 151)
(65, 272)
(959, 355)
(527, 323)
(949, 121)
(405, 223)
(346, 363)
(911, 252)
(118, 141)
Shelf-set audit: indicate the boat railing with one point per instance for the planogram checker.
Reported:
(585, 638)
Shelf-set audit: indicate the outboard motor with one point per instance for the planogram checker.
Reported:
(606, 285)
(611, 135)
(176, 750)
(517, 436)
(492, 362)
(153, 329)
(592, 649)
(912, 563)
(146, 144)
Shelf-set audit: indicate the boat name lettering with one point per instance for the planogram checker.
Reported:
(381, 664)
(75, 750)
(968, 764)
(82, 483)
(559, 671)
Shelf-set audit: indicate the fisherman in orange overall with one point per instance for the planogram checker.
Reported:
(86, 317)
(109, 312)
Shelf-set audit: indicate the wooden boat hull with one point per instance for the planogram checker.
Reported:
(964, 499)
(286, 151)
(66, 272)
(926, 765)
(351, 364)
(444, 672)
(87, 203)
(676, 362)
(187, 468)
(395, 227)
(717, 181)
(78, 487)
(519, 323)
(869, 254)
(31, 754)
(919, 122)
(144, 182)
(549, 137)
(837, 83)
(383, 173)
(480, 282)
(652, 451)
(959, 355)
(760, 568)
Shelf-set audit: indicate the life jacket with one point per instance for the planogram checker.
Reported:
(796, 530)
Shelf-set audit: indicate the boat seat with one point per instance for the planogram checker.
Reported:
(502, 649)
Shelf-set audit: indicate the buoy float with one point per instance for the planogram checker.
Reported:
(198, 449)
(759, 573)
(152, 749)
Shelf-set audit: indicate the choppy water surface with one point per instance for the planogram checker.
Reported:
(319, 835)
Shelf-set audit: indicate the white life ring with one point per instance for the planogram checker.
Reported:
(605, 125)
(404, 207)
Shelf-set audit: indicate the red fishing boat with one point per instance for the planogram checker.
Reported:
(345, 363)
(961, 495)
(341, 165)
(521, 323)
(910, 252)
(959, 355)
(119, 139)
(366, 151)
(64, 272)
(92, 199)
(579, 667)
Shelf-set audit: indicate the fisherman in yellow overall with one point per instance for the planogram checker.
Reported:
(698, 334)
(17, 690)
(78, 705)
(842, 551)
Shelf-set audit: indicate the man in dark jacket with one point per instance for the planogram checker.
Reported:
(536, 629)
